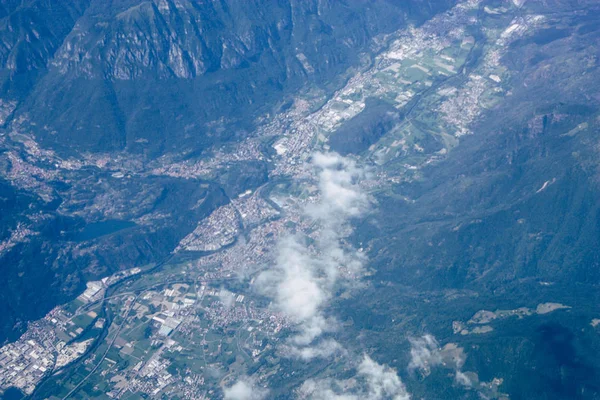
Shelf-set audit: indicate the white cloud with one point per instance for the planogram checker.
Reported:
(227, 298)
(298, 291)
(382, 380)
(372, 381)
(304, 277)
(244, 389)
(341, 197)
(425, 353)
(323, 349)
(463, 379)
(324, 389)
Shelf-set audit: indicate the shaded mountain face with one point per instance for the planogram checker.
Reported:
(519, 199)
(511, 217)
(106, 79)
(160, 76)
(50, 249)
(178, 137)
(32, 31)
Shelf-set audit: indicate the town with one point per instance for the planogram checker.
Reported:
(189, 326)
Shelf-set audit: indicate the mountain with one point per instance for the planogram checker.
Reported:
(167, 76)
(510, 218)
(305, 199)
(96, 80)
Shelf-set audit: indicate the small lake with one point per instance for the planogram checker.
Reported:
(102, 228)
(12, 393)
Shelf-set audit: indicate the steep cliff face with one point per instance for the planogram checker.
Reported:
(163, 75)
(32, 31)
(184, 39)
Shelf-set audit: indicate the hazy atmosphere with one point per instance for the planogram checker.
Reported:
(300, 199)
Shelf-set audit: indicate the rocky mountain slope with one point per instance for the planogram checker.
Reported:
(93, 92)
(156, 76)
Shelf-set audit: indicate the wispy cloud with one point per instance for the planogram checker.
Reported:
(245, 389)
(323, 349)
(299, 289)
(425, 353)
(227, 298)
(341, 197)
(372, 381)
(463, 379)
(383, 382)
(304, 277)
